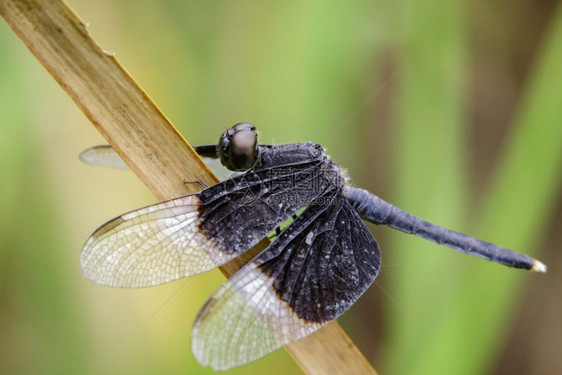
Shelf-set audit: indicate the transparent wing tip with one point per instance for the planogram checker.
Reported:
(103, 156)
(538, 266)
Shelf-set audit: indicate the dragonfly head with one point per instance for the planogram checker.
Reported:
(238, 147)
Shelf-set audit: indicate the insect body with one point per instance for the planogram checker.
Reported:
(314, 270)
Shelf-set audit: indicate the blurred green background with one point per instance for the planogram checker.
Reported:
(451, 110)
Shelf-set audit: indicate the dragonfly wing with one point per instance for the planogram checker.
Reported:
(191, 234)
(103, 156)
(314, 271)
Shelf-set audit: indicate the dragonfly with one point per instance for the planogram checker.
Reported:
(321, 258)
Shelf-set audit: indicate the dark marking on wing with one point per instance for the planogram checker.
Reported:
(237, 213)
(314, 271)
(324, 261)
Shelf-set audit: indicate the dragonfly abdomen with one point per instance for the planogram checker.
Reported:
(378, 211)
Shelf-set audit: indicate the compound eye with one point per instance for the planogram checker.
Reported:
(239, 147)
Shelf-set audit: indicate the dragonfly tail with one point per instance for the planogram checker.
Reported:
(376, 210)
